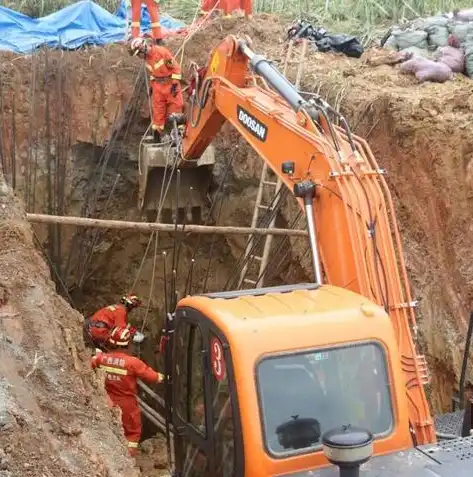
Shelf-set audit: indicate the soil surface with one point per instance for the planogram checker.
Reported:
(54, 420)
(419, 133)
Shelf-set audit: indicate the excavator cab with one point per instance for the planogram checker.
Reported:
(268, 371)
(158, 163)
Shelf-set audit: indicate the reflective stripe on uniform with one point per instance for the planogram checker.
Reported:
(160, 79)
(99, 324)
(176, 76)
(135, 24)
(132, 444)
(113, 370)
(111, 307)
(155, 24)
(155, 127)
(149, 67)
(158, 64)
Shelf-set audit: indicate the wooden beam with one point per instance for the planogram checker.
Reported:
(154, 227)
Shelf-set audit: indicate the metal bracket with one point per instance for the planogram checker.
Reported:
(376, 172)
(334, 174)
(411, 304)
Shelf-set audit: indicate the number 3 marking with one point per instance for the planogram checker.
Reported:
(218, 363)
(217, 359)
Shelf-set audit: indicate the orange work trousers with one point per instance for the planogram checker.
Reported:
(131, 421)
(153, 11)
(228, 6)
(164, 103)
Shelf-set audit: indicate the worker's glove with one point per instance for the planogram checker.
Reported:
(174, 90)
(138, 337)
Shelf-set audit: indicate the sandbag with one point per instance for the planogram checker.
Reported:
(460, 30)
(415, 51)
(427, 70)
(465, 15)
(391, 43)
(469, 60)
(435, 21)
(437, 35)
(406, 39)
(435, 72)
(454, 58)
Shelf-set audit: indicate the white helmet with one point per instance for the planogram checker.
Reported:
(137, 45)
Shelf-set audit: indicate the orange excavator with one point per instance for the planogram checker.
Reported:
(315, 378)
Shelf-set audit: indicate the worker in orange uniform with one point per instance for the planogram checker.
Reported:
(165, 78)
(121, 373)
(153, 10)
(227, 6)
(99, 326)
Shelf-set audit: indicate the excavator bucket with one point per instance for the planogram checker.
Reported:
(158, 177)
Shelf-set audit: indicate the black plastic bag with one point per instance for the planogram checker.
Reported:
(348, 45)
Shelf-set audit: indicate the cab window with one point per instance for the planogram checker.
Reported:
(189, 373)
(195, 463)
(303, 395)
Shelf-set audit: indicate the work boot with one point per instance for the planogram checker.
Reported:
(156, 135)
(179, 118)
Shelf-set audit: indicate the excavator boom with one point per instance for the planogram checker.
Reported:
(355, 241)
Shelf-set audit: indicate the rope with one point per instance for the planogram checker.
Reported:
(164, 189)
(187, 36)
(151, 284)
(158, 217)
(193, 32)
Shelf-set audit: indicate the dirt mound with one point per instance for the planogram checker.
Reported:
(153, 460)
(53, 414)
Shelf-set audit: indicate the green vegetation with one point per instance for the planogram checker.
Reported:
(366, 11)
(350, 15)
(40, 8)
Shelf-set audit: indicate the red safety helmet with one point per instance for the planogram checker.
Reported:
(131, 301)
(121, 336)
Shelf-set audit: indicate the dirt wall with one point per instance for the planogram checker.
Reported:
(54, 419)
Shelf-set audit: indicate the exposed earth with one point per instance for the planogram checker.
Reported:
(61, 109)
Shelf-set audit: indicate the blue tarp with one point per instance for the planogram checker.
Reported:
(79, 24)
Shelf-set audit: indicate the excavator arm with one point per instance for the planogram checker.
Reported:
(354, 237)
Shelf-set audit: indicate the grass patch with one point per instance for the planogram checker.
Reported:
(351, 16)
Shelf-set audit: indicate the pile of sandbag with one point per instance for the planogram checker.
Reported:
(427, 70)
(444, 39)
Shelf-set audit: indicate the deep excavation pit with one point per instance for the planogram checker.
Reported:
(79, 107)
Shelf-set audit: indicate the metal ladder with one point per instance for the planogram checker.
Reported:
(250, 256)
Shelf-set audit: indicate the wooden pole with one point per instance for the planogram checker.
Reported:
(153, 227)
